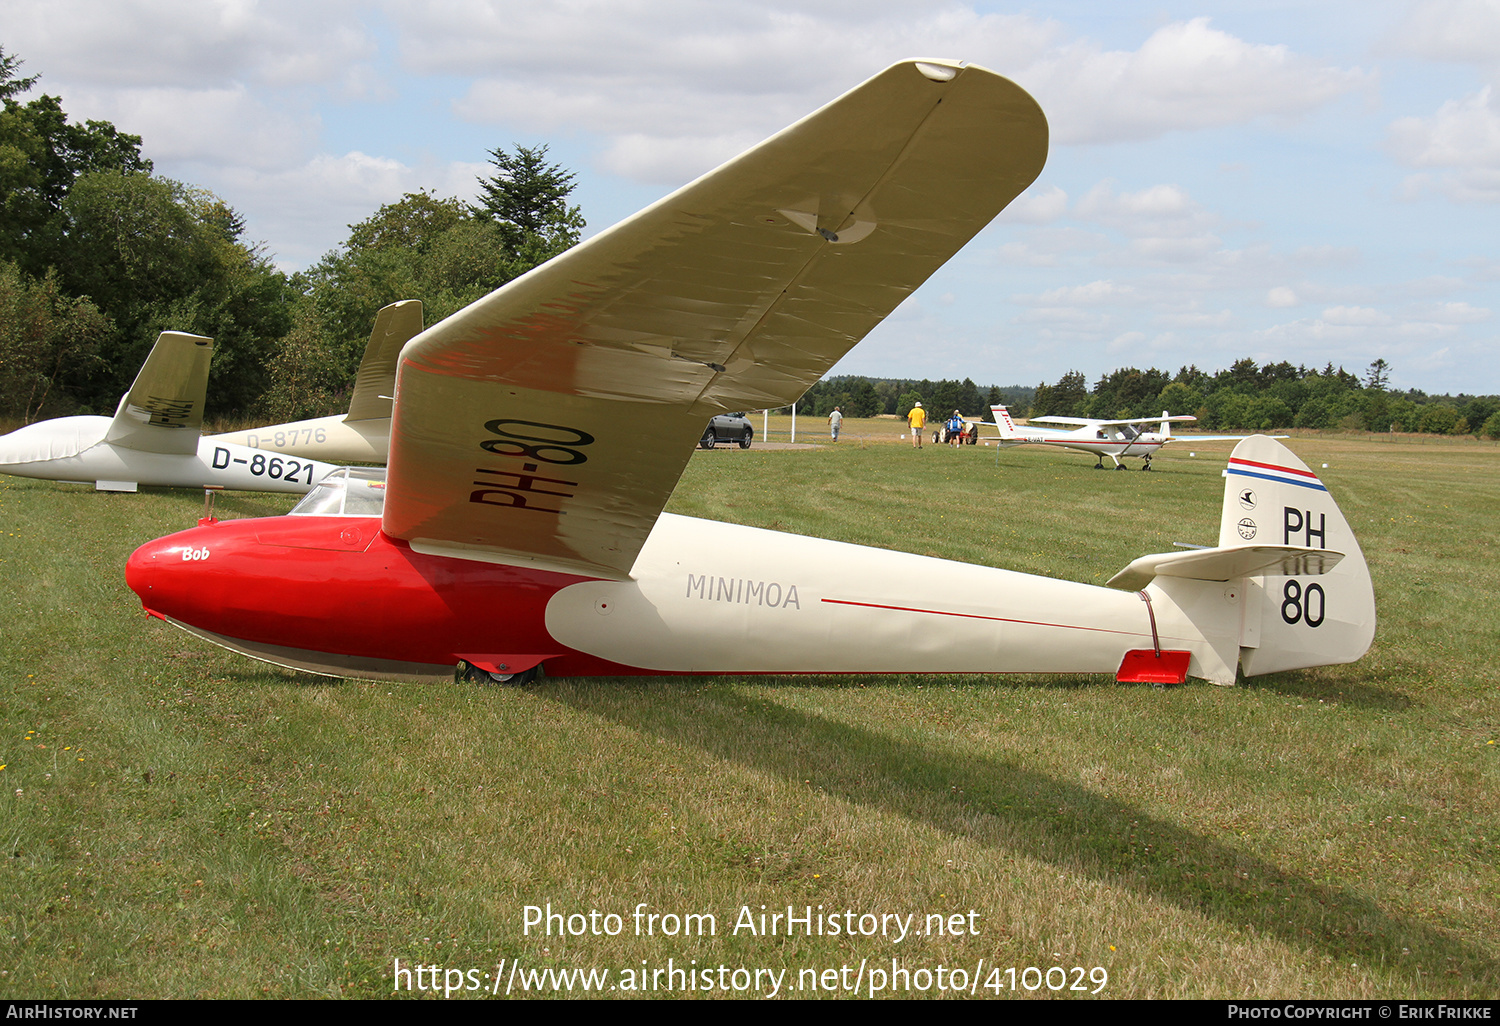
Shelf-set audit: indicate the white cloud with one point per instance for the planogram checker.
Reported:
(1092, 294)
(186, 43)
(1281, 296)
(1196, 320)
(1460, 31)
(681, 70)
(229, 126)
(1463, 135)
(1355, 315)
(1156, 211)
(672, 74)
(1186, 76)
(1040, 204)
(1456, 313)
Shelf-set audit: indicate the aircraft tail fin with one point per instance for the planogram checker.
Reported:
(1003, 422)
(1166, 424)
(1292, 621)
(1286, 587)
(163, 411)
(375, 384)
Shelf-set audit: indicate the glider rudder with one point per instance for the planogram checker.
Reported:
(1292, 622)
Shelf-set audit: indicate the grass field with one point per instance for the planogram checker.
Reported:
(179, 821)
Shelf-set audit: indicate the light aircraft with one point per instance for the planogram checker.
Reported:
(1117, 439)
(538, 433)
(154, 438)
(363, 434)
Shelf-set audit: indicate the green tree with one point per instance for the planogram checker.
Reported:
(528, 199)
(1065, 399)
(43, 335)
(439, 250)
(42, 155)
(154, 255)
(1439, 419)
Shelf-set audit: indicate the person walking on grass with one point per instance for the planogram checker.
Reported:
(835, 420)
(956, 429)
(917, 418)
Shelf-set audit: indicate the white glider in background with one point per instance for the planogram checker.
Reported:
(538, 433)
(363, 435)
(154, 438)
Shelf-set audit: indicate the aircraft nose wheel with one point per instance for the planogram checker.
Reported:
(467, 672)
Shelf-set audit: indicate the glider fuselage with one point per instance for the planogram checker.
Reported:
(336, 595)
(335, 439)
(75, 449)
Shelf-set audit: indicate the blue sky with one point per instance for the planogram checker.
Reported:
(1285, 181)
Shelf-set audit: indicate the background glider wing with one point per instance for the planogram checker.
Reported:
(163, 411)
(395, 325)
(548, 423)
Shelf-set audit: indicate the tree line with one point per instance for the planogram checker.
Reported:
(1250, 397)
(99, 255)
(871, 397)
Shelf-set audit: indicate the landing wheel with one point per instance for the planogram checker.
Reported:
(467, 672)
(1099, 466)
(1119, 466)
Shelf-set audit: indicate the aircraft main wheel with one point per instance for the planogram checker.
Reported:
(1119, 466)
(516, 680)
(467, 672)
(1146, 466)
(745, 441)
(1098, 466)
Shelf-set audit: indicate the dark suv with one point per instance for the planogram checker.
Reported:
(727, 427)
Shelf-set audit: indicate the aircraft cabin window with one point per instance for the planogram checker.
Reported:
(347, 492)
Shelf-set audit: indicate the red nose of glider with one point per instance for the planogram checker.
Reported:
(155, 571)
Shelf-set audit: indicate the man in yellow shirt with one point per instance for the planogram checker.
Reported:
(917, 418)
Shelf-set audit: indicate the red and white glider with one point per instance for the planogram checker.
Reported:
(538, 433)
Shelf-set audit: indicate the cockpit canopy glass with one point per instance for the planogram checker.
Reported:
(347, 492)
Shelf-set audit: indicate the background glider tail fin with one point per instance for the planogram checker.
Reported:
(1291, 622)
(1166, 424)
(163, 411)
(1003, 422)
(395, 325)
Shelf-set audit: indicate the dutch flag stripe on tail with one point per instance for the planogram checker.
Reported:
(1272, 472)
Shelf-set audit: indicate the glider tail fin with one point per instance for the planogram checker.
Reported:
(163, 411)
(1292, 621)
(1286, 587)
(1003, 422)
(375, 384)
(1166, 424)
